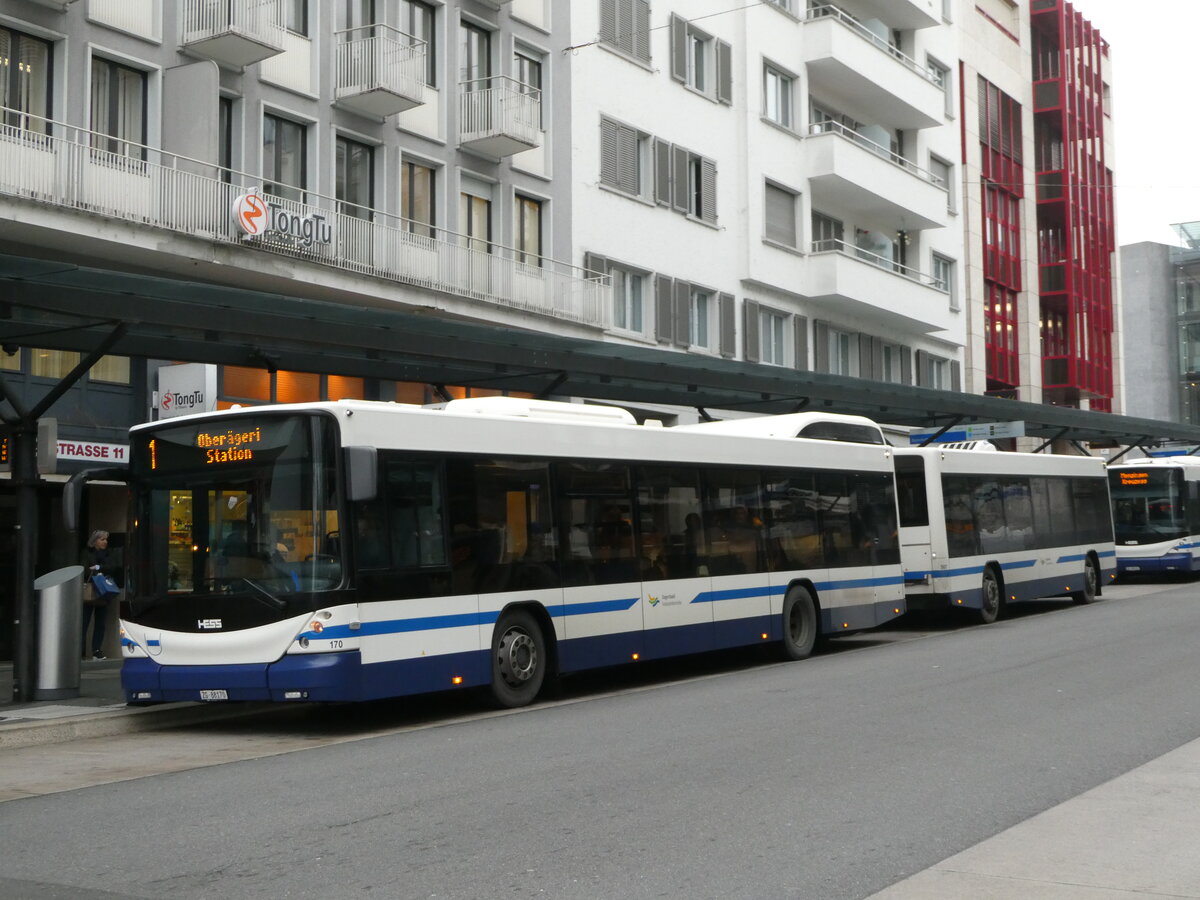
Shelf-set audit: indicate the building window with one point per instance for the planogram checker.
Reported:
(225, 138)
(356, 15)
(354, 179)
(788, 6)
(295, 16)
(474, 57)
(528, 231)
(826, 233)
(701, 308)
(777, 96)
(891, 365)
(113, 369)
(52, 363)
(843, 353)
(780, 209)
(416, 19)
(528, 73)
(943, 176)
(417, 198)
(700, 61)
(939, 374)
(623, 151)
(625, 26)
(943, 277)
(285, 168)
(940, 75)
(10, 361)
(771, 337)
(701, 188)
(475, 220)
(118, 109)
(24, 81)
(628, 289)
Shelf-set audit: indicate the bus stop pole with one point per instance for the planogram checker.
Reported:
(25, 478)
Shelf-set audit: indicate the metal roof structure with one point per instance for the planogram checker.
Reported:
(64, 306)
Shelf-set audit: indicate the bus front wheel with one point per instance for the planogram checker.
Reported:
(993, 601)
(799, 623)
(1091, 583)
(518, 659)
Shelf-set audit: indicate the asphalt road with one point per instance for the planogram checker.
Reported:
(829, 778)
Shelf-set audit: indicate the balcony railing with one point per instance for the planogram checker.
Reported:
(71, 168)
(499, 116)
(380, 71)
(233, 32)
(887, 153)
(826, 12)
(832, 245)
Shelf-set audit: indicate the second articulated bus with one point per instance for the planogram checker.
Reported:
(981, 529)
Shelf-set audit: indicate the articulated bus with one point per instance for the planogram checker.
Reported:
(981, 529)
(1156, 515)
(353, 550)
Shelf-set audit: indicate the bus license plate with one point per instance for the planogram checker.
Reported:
(214, 695)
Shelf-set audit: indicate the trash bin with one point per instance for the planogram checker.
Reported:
(60, 620)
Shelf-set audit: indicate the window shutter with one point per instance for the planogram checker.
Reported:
(608, 21)
(609, 153)
(724, 73)
(876, 359)
(595, 264)
(906, 372)
(664, 309)
(678, 48)
(641, 30)
(922, 368)
(750, 328)
(728, 311)
(627, 160)
(708, 190)
(679, 180)
(866, 358)
(780, 210)
(683, 299)
(821, 346)
(955, 375)
(662, 172)
(800, 325)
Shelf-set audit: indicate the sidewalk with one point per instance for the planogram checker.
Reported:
(98, 711)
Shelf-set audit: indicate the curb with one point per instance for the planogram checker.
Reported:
(129, 720)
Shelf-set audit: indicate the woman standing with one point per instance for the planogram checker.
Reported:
(98, 563)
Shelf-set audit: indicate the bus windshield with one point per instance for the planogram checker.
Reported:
(1148, 505)
(235, 520)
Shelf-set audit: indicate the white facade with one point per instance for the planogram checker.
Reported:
(777, 162)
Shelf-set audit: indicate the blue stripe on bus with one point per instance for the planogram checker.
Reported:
(779, 589)
(460, 620)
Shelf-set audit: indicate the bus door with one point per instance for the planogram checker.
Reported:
(672, 550)
(735, 517)
(915, 541)
(602, 586)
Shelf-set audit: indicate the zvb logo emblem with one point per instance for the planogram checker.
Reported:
(250, 213)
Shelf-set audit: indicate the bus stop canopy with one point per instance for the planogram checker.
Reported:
(56, 305)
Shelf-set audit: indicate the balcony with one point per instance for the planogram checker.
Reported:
(47, 164)
(851, 66)
(499, 116)
(914, 14)
(856, 281)
(233, 33)
(868, 182)
(380, 71)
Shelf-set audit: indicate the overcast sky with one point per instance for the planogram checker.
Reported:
(1154, 45)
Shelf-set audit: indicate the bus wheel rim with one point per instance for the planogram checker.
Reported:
(518, 657)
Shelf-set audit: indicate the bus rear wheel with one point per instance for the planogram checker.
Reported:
(993, 600)
(799, 623)
(518, 659)
(1091, 583)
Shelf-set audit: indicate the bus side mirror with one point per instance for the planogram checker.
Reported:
(73, 491)
(360, 473)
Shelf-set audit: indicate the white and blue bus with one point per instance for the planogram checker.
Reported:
(1156, 515)
(353, 550)
(982, 529)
